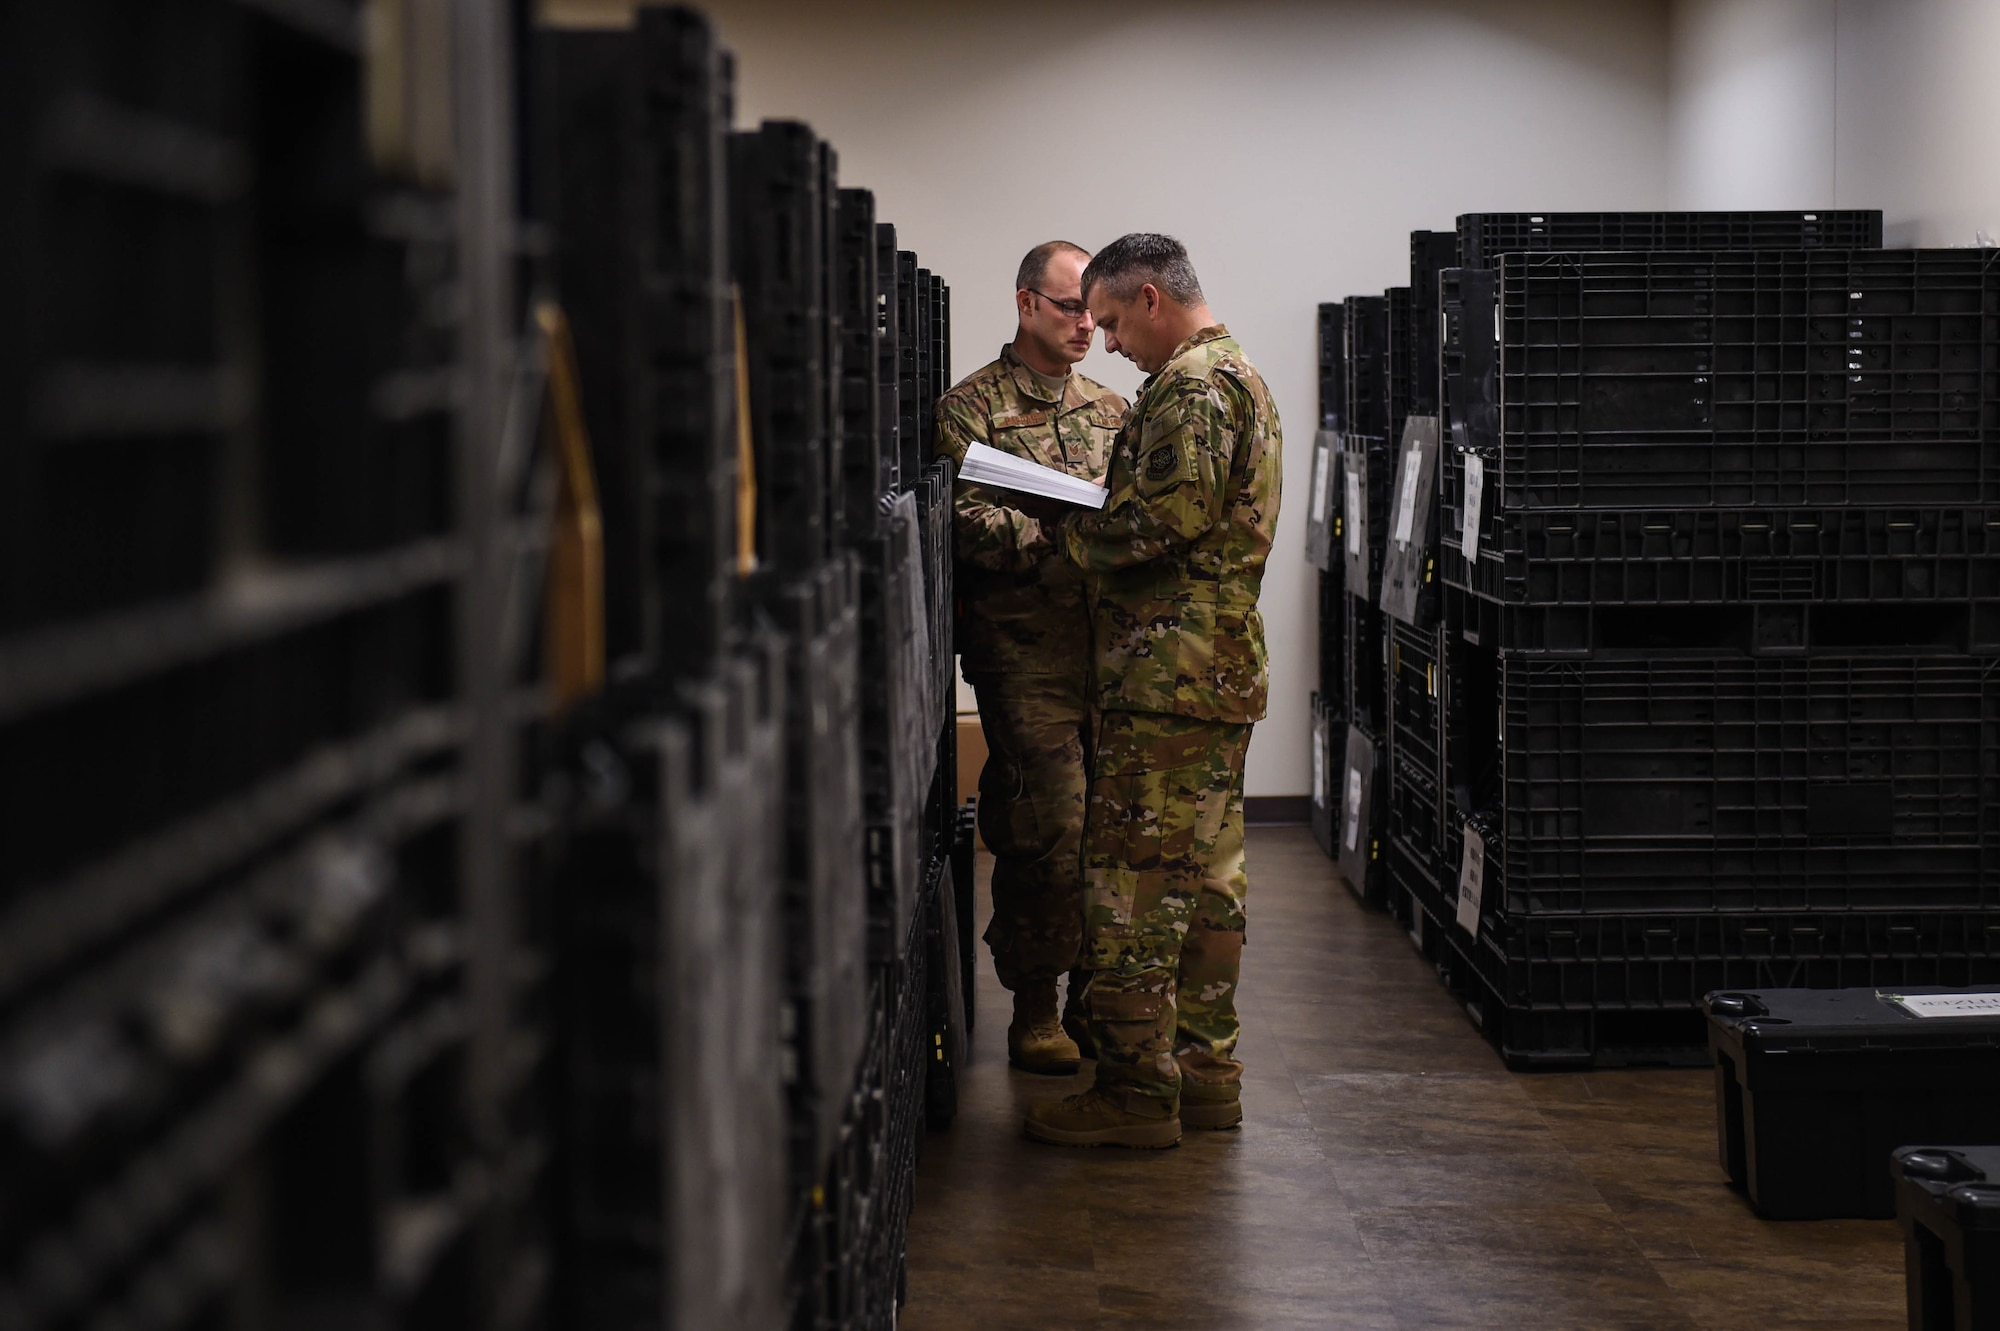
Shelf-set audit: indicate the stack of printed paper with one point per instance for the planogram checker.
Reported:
(985, 465)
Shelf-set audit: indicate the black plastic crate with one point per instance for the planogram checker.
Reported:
(1367, 377)
(1332, 362)
(644, 272)
(779, 218)
(1324, 813)
(1715, 556)
(1431, 252)
(1366, 476)
(888, 354)
(1815, 1088)
(1409, 590)
(1367, 684)
(857, 287)
(1416, 811)
(1420, 890)
(1398, 361)
(913, 330)
(1323, 502)
(1796, 628)
(1664, 380)
(1484, 237)
(1416, 715)
(826, 913)
(1331, 678)
(1360, 790)
(1668, 961)
(1948, 1205)
(1828, 783)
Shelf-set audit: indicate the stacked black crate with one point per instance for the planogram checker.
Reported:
(702, 897)
(674, 1183)
(1359, 777)
(234, 998)
(1324, 553)
(776, 177)
(1743, 717)
(1410, 600)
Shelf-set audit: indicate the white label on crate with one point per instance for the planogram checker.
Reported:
(1947, 1005)
(1353, 512)
(1351, 824)
(1319, 765)
(1406, 495)
(1475, 491)
(1471, 881)
(1317, 512)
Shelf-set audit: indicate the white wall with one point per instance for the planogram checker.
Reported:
(1919, 112)
(1752, 104)
(1292, 146)
(1888, 104)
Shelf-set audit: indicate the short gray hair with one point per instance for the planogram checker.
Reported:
(1131, 261)
(1035, 267)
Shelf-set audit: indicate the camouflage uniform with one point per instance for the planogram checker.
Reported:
(1024, 641)
(1176, 558)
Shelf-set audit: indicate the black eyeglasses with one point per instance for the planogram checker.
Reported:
(1069, 309)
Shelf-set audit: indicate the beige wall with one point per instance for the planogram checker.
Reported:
(1884, 104)
(1752, 108)
(1293, 146)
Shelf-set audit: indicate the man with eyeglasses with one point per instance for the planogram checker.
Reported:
(1024, 644)
(1175, 560)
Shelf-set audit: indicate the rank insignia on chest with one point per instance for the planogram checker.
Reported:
(1160, 464)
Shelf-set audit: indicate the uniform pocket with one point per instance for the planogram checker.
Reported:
(1010, 817)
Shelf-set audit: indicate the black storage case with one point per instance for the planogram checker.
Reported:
(1948, 1204)
(1815, 1088)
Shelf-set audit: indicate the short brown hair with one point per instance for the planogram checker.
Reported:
(1035, 267)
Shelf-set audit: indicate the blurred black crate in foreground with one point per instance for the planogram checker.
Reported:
(1948, 1204)
(1815, 1088)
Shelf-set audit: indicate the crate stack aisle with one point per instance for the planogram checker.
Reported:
(1715, 532)
(761, 1012)
(252, 973)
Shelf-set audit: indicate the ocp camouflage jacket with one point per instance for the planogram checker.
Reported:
(1177, 554)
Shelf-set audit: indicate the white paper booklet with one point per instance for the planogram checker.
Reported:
(986, 465)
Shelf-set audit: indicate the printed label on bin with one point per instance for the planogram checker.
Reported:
(1353, 512)
(1319, 766)
(1947, 1005)
(1475, 491)
(1351, 833)
(1406, 495)
(1317, 513)
(1471, 881)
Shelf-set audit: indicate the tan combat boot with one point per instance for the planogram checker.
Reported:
(1035, 1040)
(1212, 1108)
(1091, 1118)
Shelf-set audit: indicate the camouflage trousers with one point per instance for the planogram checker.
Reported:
(1164, 889)
(1031, 794)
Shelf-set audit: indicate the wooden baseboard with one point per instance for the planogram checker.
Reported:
(1277, 810)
